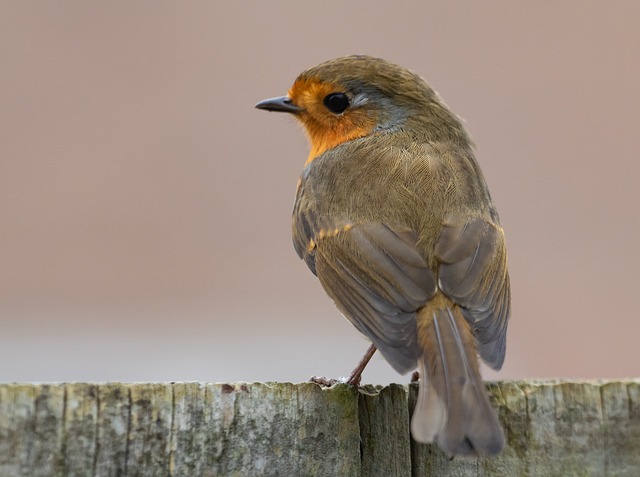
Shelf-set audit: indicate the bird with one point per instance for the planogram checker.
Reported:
(393, 215)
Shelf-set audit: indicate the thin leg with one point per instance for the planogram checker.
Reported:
(356, 374)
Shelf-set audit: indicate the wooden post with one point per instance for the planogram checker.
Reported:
(553, 428)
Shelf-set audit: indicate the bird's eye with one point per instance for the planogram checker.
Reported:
(336, 102)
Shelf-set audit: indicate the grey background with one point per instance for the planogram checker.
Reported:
(145, 205)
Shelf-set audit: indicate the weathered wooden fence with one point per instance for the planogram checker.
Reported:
(553, 428)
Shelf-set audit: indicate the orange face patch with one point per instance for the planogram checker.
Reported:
(327, 130)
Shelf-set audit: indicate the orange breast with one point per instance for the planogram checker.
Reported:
(325, 129)
(323, 138)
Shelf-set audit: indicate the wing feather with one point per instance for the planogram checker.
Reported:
(378, 279)
(473, 273)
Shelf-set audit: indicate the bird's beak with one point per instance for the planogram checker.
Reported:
(282, 104)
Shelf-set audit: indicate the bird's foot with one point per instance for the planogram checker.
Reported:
(323, 381)
(328, 382)
(354, 378)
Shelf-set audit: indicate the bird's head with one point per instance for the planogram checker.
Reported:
(355, 96)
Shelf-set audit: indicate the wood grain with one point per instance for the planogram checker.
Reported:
(553, 428)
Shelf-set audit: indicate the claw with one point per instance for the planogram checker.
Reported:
(322, 381)
(354, 378)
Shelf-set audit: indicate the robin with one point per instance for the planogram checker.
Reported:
(394, 217)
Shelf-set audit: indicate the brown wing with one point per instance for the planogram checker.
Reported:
(377, 278)
(473, 273)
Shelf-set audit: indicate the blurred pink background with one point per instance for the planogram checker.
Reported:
(145, 205)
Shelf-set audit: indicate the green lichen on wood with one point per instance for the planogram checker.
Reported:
(112, 429)
(384, 431)
(80, 427)
(621, 426)
(267, 429)
(149, 428)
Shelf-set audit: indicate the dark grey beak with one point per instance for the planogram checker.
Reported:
(281, 104)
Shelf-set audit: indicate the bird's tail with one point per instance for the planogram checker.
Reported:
(453, 407)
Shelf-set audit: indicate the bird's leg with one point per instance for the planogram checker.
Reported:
(356, 374)
(415, 377)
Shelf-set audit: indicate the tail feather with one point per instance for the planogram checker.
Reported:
(453, 407)
(429, 415)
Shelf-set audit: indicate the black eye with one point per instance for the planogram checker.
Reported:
(336, 102)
